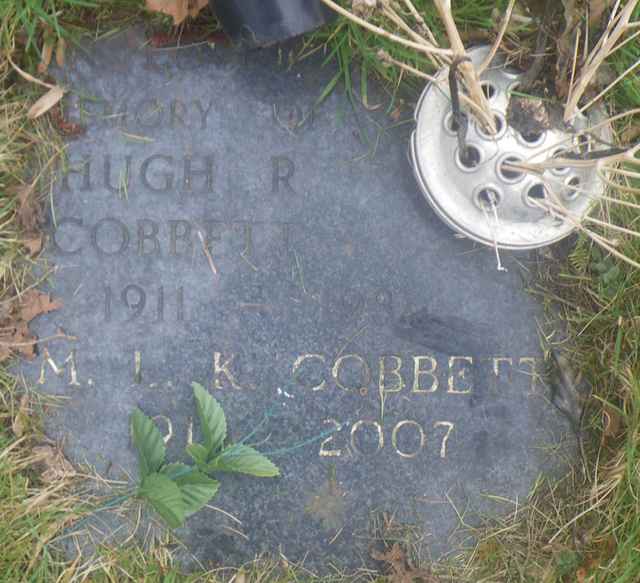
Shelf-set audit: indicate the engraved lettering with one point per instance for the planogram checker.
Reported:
(177, 110)
(61, 223)
(169, 432)
(190, 173)
(160, 315)
(203, 112)
(135, 300)
(59, 370)
(221, 367)
(394, 438)
(190, 431)
(443, 444)
(180, 309)
(167, 177)
(150, 113)
(497, 361)
(362, 423)
(122, 187)
(419, 372)
(148, 231)
(283, 170)
(180, 231)
(298, 364)
(459, 374)
(398, 381)
(366, 372)
(530, 361)
(84, 169)
(324, 452)
(124, 236)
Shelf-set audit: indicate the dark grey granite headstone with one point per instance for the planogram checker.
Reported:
(339, 302)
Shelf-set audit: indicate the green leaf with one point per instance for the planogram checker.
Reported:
(611, 275)
(212, 420)
(198, 453)
(195, 487)
(165, 497)
(197, 490)
(600, 267)
(176, 471)
(245, 460)
(148, 442)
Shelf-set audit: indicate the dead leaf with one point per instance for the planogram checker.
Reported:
(33, 244)
(613, 422)
(65, 127)
(46, 102)
(55, 465)
(20, 420)
(60, 52)
(178, 9)
(631, 134)
(400, 570)
(47, 53)
(15, 336)
(35, 303)
(29, 213)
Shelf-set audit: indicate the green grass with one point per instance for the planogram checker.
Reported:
(598, 297)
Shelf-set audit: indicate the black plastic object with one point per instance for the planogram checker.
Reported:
(263, 22)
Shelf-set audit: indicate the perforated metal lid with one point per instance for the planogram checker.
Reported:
(477, 195)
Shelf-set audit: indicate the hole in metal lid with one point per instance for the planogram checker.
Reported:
(573, 185)
(500, 126)
(560, 153)
(536, 194)
(532, 137)
(470, 158)
(510, 174)
(487, 197)
(582, 143)
(489, 89)
(451, 124)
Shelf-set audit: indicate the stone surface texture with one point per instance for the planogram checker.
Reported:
(339, 302)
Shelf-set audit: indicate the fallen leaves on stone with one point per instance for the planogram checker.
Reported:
(328, 505)
(178, 9)
(15, 336)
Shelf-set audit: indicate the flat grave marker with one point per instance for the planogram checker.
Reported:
(213, 225)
